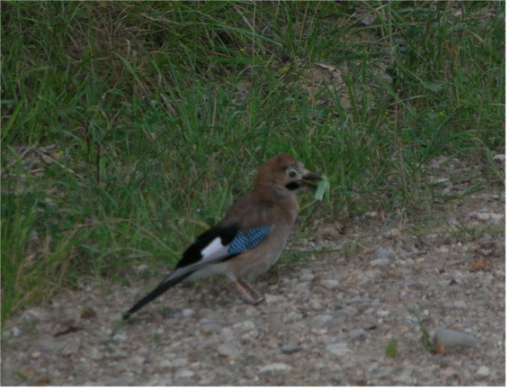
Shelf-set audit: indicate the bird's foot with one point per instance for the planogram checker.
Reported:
(249, 294)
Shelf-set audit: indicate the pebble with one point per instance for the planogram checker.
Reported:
(455, 339)
(304, 286)
(12, 332)
(176, 363)
(392, 233)
(49, 345)
(227, 334)
(482, 372)
(487, 216)
(382, 253)
(355, 333)
(275, 367)
(306, 277)
(320, 320)
(289, 349)
(380, 262)
(273, 298)
(330, 284)
(338, 349)
(184, 373)
(444, 283)
(244, 326)
(229, 350)
(460, 304)
(142, 268)
(187, 312)
(499, 157)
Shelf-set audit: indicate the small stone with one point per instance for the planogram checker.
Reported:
(15, 331)
(184, 373)
(175, 363)
(187, 312)
(227, 334)
(228, 350)
(244, 326)
(460, 304)
(320, 320)
(392, 233)
(380, 262)
(275, 324)
(35, 354)
(137, 361)
(487, 216)
(356, 333)
(482, 372)
(500, 158)
(304, 286)
(165, 382)
(272, 298)
(381, 253)
(289, 349)
(446, 339)
(330, 284)
(142, 268)
(338, 349)
(444, 283)
(120, 337)
(306, 277)
(274, 367)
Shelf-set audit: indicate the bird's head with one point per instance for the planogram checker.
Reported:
(286, 173)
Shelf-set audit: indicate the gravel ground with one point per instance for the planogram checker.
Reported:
(327, 318)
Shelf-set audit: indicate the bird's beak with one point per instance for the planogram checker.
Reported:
(310, 176)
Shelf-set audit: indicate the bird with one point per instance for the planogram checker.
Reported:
(251, 236)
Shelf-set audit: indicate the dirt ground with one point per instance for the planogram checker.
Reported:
(327, 319)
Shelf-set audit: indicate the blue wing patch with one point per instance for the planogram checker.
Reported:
(245, 240)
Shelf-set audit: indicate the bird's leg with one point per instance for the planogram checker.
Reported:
(248, 292)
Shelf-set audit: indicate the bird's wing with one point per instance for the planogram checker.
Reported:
(219, 244)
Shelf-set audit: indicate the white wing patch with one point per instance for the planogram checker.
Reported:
(213, 251)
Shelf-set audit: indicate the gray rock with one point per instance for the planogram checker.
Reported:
(306, 277)
(320, 320)
(338, 349)
(142, 268)
(482, 372)
(450, 339)
(275, 367)
(49, 345)
(460, 304)
(303, 287)
(381, 253)
(289, 349)
(444, 283)
(330, 284)
(227, 334)
(244, 326)
(229, 350)
(184, 373)
(356, 333)
(380, 262)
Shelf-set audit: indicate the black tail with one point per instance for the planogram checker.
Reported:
(158, 291)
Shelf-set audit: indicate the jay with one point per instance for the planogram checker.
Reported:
(251, 237)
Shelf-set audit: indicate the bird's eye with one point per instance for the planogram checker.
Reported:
(292, 174)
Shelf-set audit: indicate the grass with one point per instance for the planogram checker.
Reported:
(129, 127)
